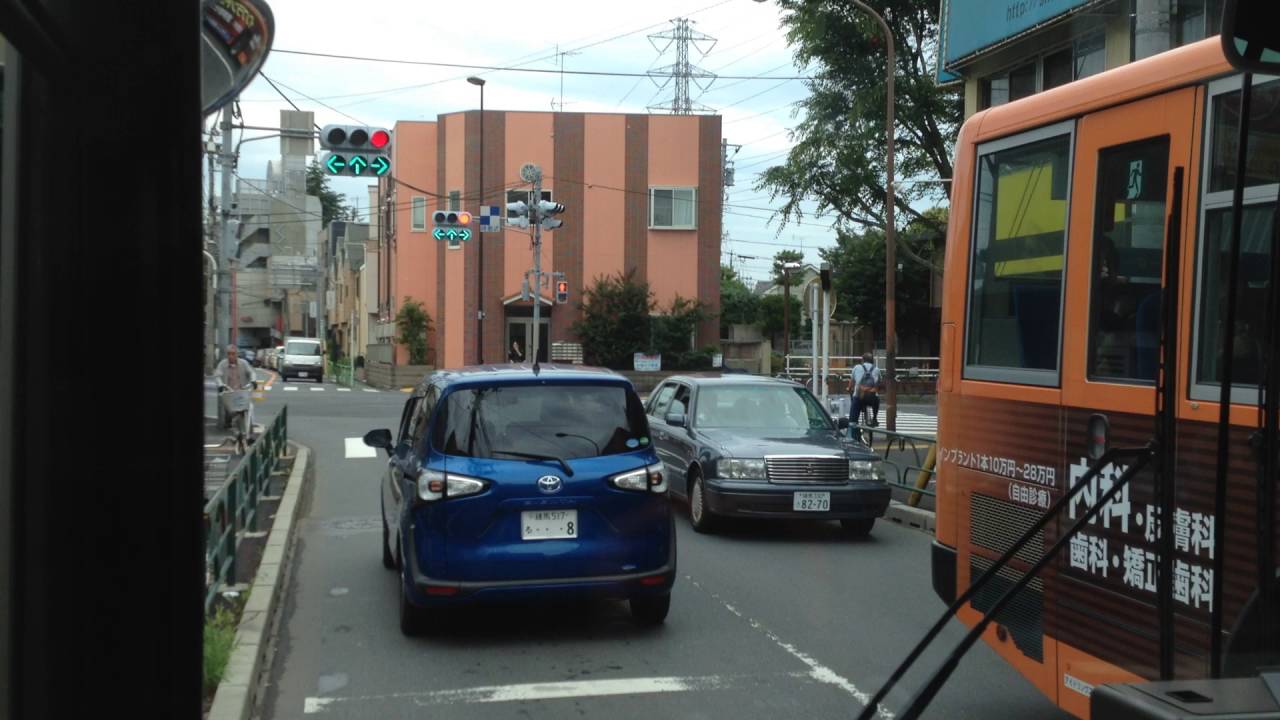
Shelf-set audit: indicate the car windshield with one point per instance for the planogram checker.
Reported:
(563, 421)
(759, 406)
(298, 348)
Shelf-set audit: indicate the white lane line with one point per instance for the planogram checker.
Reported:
(817, 671)
(524, 692)
(317, 389)
(290, 388)
(370, 390)
(357, 449)
(344, 389)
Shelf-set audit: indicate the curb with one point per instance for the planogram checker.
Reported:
(236, 694)
(903, 514)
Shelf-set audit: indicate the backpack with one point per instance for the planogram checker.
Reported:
(868, 385)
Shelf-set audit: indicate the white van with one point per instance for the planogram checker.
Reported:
(302, 358)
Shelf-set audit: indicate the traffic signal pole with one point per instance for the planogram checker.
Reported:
(537, 268)
(225, 253)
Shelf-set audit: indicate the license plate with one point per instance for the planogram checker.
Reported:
(811, 501)
(302, 374)
(548, 524)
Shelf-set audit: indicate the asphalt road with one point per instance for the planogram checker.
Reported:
(774, 620)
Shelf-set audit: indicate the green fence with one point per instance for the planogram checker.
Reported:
(340, 371)
(234, 509)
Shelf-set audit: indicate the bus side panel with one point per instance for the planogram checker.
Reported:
(1081, 673)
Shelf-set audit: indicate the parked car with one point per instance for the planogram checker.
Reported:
(505, 483)
(249, 356)
(302, 358)
(759, 447)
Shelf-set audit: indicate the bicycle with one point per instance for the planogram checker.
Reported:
(236, 404)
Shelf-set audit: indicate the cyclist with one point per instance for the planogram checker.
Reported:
(864, 390)
(234, 373)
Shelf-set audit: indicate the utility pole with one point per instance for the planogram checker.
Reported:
(225, 251)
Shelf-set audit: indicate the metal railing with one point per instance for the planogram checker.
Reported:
(234, 508)
(341, 372)
(800, 368)
(924, 466)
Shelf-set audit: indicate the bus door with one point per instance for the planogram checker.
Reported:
(1126, 159)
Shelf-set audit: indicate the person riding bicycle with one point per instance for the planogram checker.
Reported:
(235, 373)
(864, 390)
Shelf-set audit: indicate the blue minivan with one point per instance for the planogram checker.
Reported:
(519, 484)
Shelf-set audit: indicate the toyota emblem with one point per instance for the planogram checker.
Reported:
(549, 484)
(809, 469)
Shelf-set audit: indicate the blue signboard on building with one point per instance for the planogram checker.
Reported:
(968, 26)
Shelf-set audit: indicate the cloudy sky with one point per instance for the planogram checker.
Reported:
(607, 36)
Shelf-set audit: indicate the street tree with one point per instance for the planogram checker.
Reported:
(738, 306)
(838, 156)
(782, 257)
(333, 206)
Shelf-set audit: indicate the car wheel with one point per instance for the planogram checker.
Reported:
(858, 528)
(320, 380)
(650, 609)
(388, 560)
(700, 516)
(413, 619)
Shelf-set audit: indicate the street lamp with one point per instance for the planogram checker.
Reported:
(478, 81)
(787, 267)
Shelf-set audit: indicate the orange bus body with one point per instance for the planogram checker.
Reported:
(1010, 443)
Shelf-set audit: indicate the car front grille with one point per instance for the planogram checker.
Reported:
(791, 469)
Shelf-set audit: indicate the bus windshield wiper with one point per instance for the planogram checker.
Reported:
(536, 456)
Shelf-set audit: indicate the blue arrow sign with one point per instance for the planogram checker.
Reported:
(380, 165)
(335, 163)
(358, 164)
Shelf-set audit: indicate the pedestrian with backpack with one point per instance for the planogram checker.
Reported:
(865, 391)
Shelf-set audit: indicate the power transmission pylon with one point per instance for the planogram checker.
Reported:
(681, 72)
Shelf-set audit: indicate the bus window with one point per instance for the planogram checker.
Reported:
(1020, 223)
(1263, 165)
(1128, 246)
(1255, 262)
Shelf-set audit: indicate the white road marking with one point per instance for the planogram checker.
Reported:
(290, 388)
(344, 389)
(817, 671)
(357, 449)
(525, 692)
(317, 389)
(370, 390)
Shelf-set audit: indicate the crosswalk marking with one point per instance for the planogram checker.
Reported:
(917, 423)
(370, 390)
(357, 449)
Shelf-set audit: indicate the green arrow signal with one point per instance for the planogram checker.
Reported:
(335, 163)
(464, 234)
(380, 165)
(438, 234)
(358, 164)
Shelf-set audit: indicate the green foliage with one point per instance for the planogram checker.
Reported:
(333, 205)
(219, 640)
(857, 263)
(772, 318)
(838, 157)
(615, 320)
(738, 306)
(672, 335)
(782, 257)
(412, 325)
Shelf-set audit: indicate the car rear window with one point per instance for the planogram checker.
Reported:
(759, 406)
(311, 349)
(560, 420)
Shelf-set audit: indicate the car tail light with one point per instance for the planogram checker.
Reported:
(434, 485)
(653, 580)
(649, 478)
(441, 590)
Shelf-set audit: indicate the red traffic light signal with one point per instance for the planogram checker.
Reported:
(562, 291)
(379, 139)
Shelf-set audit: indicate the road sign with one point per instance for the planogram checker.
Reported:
(490, 218)
(380, 165)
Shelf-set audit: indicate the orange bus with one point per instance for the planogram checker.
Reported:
(1061, 207)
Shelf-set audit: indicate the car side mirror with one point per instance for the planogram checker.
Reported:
(380, 438)
(842, 423)
(676, 419)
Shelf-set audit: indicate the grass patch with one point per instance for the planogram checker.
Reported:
(219, 639)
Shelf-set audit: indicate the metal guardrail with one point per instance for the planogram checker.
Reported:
(923, 467)
(799, 368)
(234, 508)
(341, 372)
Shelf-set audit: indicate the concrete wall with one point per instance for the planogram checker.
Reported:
(394, 377)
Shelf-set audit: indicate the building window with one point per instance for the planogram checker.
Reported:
(1090, 56)
(455, 199)
(1128, 253)
(1009, 85)
(524, 196)
(418, 214)
(673, 208)
(1017, 261)
(1261, 181)
(1160, 25)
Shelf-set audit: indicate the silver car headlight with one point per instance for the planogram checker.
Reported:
(866, 470)
(738, 469)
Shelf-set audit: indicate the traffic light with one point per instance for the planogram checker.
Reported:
(355, 150)
(520, 212)
(547, 211)
(451, 225)
(562, 292)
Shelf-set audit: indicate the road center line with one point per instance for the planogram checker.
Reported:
(817, 671)
(524, 692)
(290, 388)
